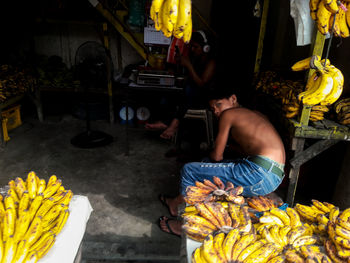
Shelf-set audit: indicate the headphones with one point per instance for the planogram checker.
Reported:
(206, 47)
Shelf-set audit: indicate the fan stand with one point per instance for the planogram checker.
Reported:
(90, 138)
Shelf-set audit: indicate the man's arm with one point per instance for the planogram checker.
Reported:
(217, 153)
(207, 75)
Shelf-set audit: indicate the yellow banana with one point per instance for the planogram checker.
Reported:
(322, 207)
(342, 223)
(155, 13)
(281, 214)
(10, 250)
(22, 224)
(344, 30)
(32, 257)
(45, 207)
(323, 16)
(21, 252)
(313, 5)
(262, 254)
(34, 206)
(41, 186)
(52, 179)
(67, 198)
(20, 186)
(45, 246)
(271, 219)
(32, 185)
(331, 6)
(9, 202)
(52, 188)
(209, 253)
(295, 233)
(250, 249)
(24, 203)
(34, 231)
(321, 93)
(52, 214)
(229, 241)
(293, 256)
(217, 245)
(9, 223)
(283, 231)
(11, 192)
(61, 221)
(342, 241)
(304, 63)
(345, 215)
(241, 244)
(1, 244)
(322, 219)
(342, 232)
(196, 256)
(342, 252)
(184, 12)
(304, 240)
(277, 259)
(204, 212)
(188, 31)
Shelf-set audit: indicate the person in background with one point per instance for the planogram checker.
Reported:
(200, 68)
(260, 170)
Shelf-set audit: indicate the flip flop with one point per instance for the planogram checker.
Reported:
(167, 225)
(162, 198)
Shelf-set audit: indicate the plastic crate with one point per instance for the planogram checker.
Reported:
(13, 116)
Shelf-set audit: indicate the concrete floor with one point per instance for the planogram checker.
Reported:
(122, 189)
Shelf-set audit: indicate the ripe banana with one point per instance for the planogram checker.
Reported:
(323, 17)
(331, 6)
(271, 219)
(32, 185)
(344, 30)
(324, 88)
(204, 212)
(229, 241)
(155, 13)
(184, 15)
(262, 254)
(241, 244)
(20, 186)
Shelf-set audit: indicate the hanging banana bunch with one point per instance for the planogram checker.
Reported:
(325, 85)
(173, 18)
(327, 13)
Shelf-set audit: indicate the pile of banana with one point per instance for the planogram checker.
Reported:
(173, 17)
(262, 203)
(325, 13)
(214, 216)
(324, 86)
(331, 225)
(236, 246)
(32, 214)
(208, 191)
(14, 82)
(342, 110)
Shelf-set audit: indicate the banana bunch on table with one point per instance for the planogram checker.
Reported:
(236, 246)
(342, 110)
(324, 86)
(325, 13)
(14, 82)
(208, 191)
(173, 18)
(214, 216)
(331, 225)
(33, 212)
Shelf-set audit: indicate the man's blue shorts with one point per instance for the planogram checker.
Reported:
(255, 179)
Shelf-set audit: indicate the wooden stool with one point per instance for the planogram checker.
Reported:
(204, 115)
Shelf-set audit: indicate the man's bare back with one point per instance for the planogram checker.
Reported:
(254, 133)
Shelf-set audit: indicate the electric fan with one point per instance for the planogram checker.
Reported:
(93, 67)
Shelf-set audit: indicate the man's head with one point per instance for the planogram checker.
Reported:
(199, 43)
(221, 99)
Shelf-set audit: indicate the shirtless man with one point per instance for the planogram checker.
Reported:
(260, 172)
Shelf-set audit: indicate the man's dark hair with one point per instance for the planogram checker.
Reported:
(217, 90)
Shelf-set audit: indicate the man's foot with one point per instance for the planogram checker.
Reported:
(156, 126)
(171, 226)
(168, 133)
(169, 203)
